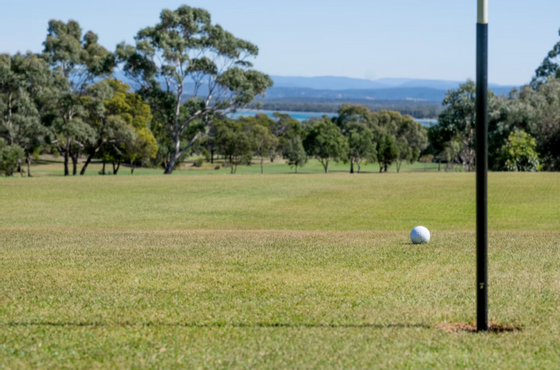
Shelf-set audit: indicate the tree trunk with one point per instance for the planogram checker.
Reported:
(88, 160)
(262, 170)
(28, 165)
(212, 155)
(352, 165)
(359, 167)
(170, 165)
(74, 157)
(66, 154)
(386, 167)
(326, 165)
(103, 169)
(20, 168)
(380, 167)
(116, 170)
(132, 167)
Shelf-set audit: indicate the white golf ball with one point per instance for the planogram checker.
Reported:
(420, 235)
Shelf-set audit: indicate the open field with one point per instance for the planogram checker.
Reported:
(50, 166)
(279, 271)
(334, 202)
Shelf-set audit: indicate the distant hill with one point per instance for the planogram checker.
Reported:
(412, 93)
(346, 83)
(345, 88)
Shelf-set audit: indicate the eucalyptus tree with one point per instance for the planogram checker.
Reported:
(387, 152)
(411, 140)
(541, 119)
(75, 55)
(405, 153)
(264, 142)
(234, 143)
(325, 141)
(186, 47)
(360, 145)
(77, 60)
(351, 113)
(295, 152)
(25, 81)
(550, 66)
(459, 118)
(110, 116)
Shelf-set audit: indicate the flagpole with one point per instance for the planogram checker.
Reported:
(482, 166)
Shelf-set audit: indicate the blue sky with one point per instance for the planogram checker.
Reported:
(432, 39)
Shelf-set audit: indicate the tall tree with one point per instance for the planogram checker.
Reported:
(541, 119)
(184, 46)
(121, 120)
(24, 83)
(325, 141)
(77, 59)
(458, 120)
(550, 67)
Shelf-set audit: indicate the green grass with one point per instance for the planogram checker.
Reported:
(50, 166)
(440, 201)
(274, 271)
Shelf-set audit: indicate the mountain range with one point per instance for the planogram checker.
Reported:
(330, 87)
(346, 88)
(347, 83)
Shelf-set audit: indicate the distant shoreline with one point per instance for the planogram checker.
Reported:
(302, 116)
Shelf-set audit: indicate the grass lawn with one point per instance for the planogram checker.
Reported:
(50, 166)
(274, 271)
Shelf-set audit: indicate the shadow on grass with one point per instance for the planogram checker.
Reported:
(216, 325)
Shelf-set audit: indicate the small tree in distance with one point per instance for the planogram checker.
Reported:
(360, 145)
(387, 152)
(295, 153)
(325, 142)
(265, 142)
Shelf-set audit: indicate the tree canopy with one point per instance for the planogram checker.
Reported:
(186, 47)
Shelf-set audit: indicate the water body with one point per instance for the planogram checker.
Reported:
(302, 116)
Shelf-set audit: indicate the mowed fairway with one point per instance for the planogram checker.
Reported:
(274, 271)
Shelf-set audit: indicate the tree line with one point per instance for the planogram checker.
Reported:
(66, 101)
(355, 136)
(417, 109)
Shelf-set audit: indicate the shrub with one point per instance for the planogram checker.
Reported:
(10, 157)
(198, 162)
(519, 154)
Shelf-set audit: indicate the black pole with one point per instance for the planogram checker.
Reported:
(482, 176)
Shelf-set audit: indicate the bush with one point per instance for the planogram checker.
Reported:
(217, 167)
(10, 157)
(198, 162)
(519, 154)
